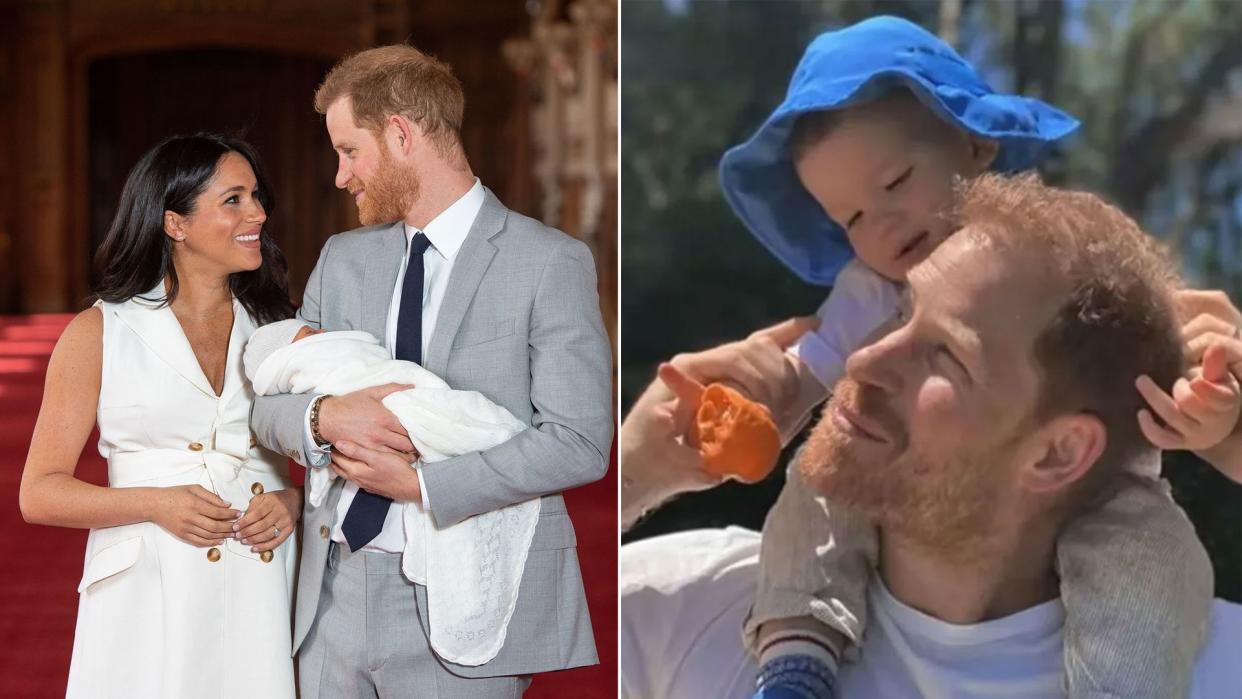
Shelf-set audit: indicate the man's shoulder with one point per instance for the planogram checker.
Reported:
(357, 237)
(536, 236)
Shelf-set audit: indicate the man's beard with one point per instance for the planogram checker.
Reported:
(943, 501)
(390, 192)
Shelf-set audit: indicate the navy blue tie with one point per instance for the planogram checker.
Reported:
(365, 518)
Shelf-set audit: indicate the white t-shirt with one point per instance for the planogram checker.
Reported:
(860, 301)
(683, 598)
(907, 653)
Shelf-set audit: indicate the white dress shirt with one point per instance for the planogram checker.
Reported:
(446, 233)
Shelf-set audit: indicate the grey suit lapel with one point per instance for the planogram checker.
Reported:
(472, 261)
(382, 266)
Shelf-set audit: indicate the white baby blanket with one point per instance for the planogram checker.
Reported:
(472, 569)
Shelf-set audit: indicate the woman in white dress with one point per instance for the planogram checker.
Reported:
(188, 577)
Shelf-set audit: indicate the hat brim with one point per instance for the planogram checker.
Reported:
(762, 187)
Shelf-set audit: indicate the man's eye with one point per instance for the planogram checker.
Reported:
(902, 178)
(944, 352)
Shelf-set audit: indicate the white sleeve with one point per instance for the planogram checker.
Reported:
(860, 301)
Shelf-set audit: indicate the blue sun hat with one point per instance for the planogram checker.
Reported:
(858, 64)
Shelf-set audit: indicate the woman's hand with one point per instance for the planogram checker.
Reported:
(193, 514)
(270, 519)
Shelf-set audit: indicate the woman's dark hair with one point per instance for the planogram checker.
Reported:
(136, 254)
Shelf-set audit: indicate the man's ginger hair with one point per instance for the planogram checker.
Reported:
(398, 79)
(1116, 318)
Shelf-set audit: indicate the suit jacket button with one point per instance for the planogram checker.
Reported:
(323, 532)
(213, 554)
(266, 556)
(196, 446)
(256, 488)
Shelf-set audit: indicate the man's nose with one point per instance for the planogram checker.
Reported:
(880, 363)
(342, 175)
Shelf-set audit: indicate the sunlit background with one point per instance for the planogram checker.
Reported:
(1156, 83)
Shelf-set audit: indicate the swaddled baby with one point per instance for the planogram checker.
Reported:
(472, 569)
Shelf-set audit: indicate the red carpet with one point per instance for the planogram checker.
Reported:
(42, 565)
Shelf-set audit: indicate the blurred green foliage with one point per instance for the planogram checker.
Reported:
(1156, 83)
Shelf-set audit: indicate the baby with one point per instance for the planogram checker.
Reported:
(472, 569)
(847, 183)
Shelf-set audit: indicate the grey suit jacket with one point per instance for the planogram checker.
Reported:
(520, 323)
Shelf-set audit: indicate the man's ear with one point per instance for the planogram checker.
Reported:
(982, 152)
(399, 134)
(1062, 452)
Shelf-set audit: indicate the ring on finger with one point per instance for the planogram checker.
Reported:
(276, 529)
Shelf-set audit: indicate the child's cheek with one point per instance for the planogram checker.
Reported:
(934, 200)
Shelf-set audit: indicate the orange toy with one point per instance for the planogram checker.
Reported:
(735, 435)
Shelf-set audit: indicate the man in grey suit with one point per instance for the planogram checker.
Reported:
(485, 298)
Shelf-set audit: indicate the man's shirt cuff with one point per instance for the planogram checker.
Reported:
(422, 489)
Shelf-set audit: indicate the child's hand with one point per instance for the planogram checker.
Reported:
(1202, 410)
(656, 461)
(676, 416)
(1210, 318)
(757, 367)
(735, 436)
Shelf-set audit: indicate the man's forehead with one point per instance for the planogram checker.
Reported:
(342, 108)
(992, 292)
(339, 118)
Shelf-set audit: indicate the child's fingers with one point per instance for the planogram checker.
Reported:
(1215, 363)
(1194, 407)
(674, 416)
(1181, 390)
(1232, 347)
(1205, 323)
(787, 332)
(689, 394)
(685, 388)
(1217, 397)
(1160, 437)
(731, 365)
(1163, 405)
(1194, 302)
(1189, 403)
